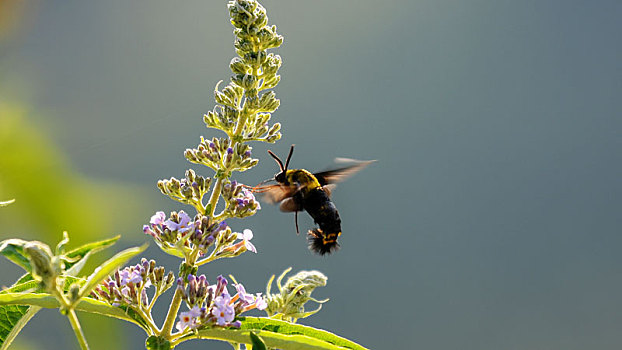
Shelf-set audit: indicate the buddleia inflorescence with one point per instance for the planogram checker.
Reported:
(243, 111)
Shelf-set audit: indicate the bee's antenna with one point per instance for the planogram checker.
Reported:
(277, 160)
(289, 156)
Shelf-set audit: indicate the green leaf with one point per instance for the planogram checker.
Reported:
(171, 250)
(92, 247)
(86, 304)
(129, 312)
(157, 343)
(14, 317)
(105, 269)
(13, 249)
(83, 253)
(279, 334)
(257, 343)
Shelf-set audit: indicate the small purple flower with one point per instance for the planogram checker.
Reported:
(250, 301)
(128, 276)
(221, 286)
(246, 298)
(144, 298)
(189, 319)
(125, 292)
(229, 150)
(158, 218)
(222, 226)
(223, 310)
(246, 237)
(209, 240)
(182, 226)
(247, 198)
(147, 230)
(261, 303)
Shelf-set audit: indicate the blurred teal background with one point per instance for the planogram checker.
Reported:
(492, 219)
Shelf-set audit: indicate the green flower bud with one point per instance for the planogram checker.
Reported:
(269, 83)
(242, 46)
(289, 303)
(238, 66)
(232, 93)
(274, 129)
(190, 175)
(248, 81)
(45, 267)
(237, 79)
(187, 192)
(223, 99)
(74, 293)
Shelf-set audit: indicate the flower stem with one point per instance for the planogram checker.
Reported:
(146, 315)
(213, 200)
(167, 328)
(75, 324)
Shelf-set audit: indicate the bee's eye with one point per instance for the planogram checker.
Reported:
(280, 177)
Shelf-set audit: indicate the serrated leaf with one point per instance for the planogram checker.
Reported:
(279, 334)
(13, 318)
(13, 249)
(105, 269)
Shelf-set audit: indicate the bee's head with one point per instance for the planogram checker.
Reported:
(281, 177)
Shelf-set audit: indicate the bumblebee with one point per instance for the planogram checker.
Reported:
(300, 190)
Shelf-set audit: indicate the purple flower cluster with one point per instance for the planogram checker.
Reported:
(128, 286)
(168, 231)
(212, 305)
(161, 228)
(241, 201)
(247, 200)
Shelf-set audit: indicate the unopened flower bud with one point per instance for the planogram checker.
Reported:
(41, 261)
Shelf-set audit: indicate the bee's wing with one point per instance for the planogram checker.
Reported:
(289, 205)
(329, 189)
(340, 174)
(276, 193)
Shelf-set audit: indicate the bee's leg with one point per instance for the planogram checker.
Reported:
(296, 220)
(292, 204)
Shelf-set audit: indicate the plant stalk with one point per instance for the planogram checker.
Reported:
(75, 324)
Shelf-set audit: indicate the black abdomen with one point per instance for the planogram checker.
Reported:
(317, 203)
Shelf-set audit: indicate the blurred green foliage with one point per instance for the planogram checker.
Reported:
(51, 197)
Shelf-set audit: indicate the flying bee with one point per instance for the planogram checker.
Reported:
(298, 189)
